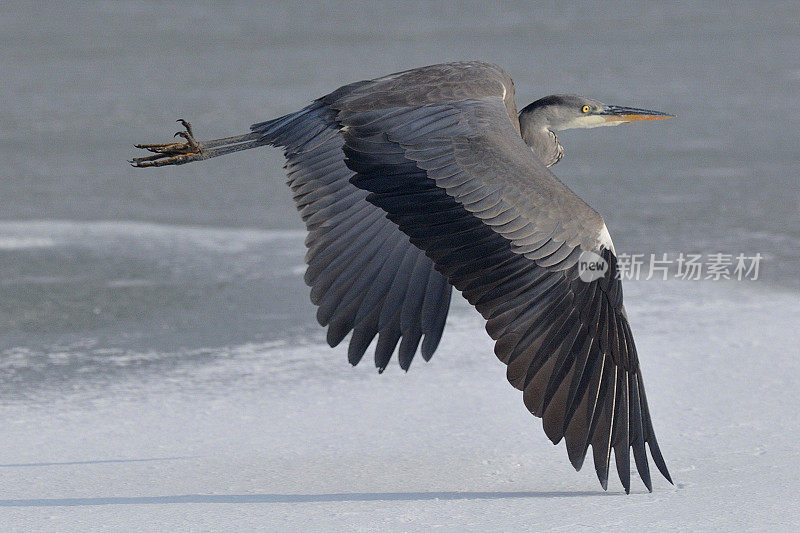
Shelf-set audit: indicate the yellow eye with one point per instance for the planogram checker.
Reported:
(586, 109)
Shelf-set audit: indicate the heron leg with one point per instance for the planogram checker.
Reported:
(179, 153)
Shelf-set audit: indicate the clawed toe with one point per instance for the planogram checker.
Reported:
(160, 160)
(190, 142)
(160, 148)
(187, 126)
(173, 153)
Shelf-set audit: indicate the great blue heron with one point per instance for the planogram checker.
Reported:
(428, 178)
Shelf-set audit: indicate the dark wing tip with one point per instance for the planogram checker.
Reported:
(658, 459)
(665, 473)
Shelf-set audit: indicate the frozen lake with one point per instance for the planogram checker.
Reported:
(160, 363)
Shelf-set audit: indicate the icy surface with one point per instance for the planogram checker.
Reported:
(285, 435)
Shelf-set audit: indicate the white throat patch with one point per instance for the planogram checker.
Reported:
(590, 121)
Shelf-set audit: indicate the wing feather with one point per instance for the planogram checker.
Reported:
(365, 275)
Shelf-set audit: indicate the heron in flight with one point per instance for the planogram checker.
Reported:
(429, 179)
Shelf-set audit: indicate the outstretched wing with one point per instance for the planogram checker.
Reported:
(364, 274)
(455, 176)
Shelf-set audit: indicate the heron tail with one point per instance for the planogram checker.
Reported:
(301, 131)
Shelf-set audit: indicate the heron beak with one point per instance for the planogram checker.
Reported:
(613, 113)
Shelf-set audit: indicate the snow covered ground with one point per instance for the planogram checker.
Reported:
(286, 436)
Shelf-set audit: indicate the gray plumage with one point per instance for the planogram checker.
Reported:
(426, 179)
(365, 275)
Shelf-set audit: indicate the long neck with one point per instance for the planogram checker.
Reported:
(542, 140)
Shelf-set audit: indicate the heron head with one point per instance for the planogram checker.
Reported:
(568, 111)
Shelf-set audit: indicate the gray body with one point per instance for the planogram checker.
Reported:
(427, 179)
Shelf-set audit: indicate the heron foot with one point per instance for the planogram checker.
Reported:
(173, 153)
